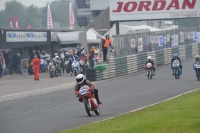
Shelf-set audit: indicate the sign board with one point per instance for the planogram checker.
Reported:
(196, 36)
(160, 41)
(153, 9)
(181, 37)
(132, 43)
(175, 40)
(140, 44)
(13, 36)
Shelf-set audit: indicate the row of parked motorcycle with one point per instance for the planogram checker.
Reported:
(74, 67)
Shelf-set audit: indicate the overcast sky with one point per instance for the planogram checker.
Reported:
(38, 3)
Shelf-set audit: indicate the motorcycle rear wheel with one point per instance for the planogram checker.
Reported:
(198, 74)
(97, 111)
(176, 73)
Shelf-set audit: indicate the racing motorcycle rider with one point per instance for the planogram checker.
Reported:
(149, 60)
(175, 56)
(82, 81)
(197, 57)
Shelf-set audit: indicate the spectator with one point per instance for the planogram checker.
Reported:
(36, 66)
(2, 62)
(32, 55)
(14, 60)
(18, 64)
(38, 54)
(106, 44)
(91, 59)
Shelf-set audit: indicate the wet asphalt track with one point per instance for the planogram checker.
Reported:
(56, 111)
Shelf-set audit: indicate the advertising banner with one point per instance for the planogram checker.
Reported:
(132, 43)
(13, 36)
(140, 44)
(160, 41)
(175, 40)
(153, 9)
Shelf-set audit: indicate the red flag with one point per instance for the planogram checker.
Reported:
(16, 23)
(11, 23)
(29, 26)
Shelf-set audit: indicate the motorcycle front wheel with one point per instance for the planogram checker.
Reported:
(87, 108)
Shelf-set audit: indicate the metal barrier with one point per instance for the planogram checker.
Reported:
(24, 65)
(134, 63)
(131, 44)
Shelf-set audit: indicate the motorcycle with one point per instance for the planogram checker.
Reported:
(82, 66)
(67, 66)
(197, 69)
(51, 70)
(43, 65)
(176, 68)
(149, 68)
(89, 101)
(75, 67)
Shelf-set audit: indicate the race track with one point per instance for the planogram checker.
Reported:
(60, 110)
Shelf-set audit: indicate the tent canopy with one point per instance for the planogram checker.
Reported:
(93, 36)
(68, 38)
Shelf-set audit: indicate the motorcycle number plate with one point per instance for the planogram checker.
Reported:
(83, 91)
(197, 66)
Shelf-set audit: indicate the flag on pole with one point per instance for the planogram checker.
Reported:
(16, 22)
(29, 26)
(11, 22)
(49, 18)
(71, 16)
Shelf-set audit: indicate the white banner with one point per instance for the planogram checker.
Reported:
(160, 41)
(156, 39)
(165, 40)
(49, 18)
(71, 16)
(152, 39)
(140, 44)
(168, 37)
(153, 9)
(182, 37)
(175, 40)
(13, 36)
(132, 43)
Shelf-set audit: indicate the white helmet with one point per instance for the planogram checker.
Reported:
(149, 57)
(56, 54)
(79, 78)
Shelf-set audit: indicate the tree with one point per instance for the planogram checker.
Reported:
(33, 17)
(60, 12)
(15, 9)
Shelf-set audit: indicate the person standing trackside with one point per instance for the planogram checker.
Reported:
(106, 44)
(36, 66)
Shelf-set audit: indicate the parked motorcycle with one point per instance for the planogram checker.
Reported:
(197, 69)
(67, 66)
(75, 67)
(51, 70)
(82, 66)
(43, 65)
(149, 68)
(176, 68)
(89, 101)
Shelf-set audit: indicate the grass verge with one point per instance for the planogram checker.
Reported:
(179, 115)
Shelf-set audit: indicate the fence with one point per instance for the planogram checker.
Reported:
(131, 44)
(134, 63)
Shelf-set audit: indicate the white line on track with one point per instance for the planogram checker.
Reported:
(137, 109)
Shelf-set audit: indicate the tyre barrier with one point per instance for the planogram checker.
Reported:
(90, 74)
